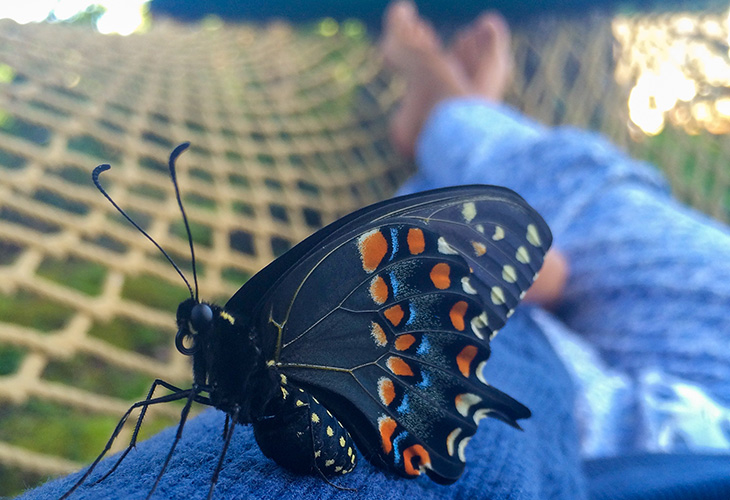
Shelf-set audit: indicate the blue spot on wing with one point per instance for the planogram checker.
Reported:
(404, 406)
(412, 315)
(424, 347)
(396, 447)
(426, 380)
(394, 284)
(393, 242)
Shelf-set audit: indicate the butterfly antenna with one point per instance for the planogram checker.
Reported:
(95, 177)
(173, 157)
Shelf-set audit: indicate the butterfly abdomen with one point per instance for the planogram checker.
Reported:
(303, 436)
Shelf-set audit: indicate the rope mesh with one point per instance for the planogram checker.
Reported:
(288, 132)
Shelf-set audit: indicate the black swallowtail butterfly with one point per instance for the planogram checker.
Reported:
(374, 330)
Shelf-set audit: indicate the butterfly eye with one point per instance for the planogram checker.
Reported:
(201, 318)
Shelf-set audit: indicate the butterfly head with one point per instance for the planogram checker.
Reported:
(206, 332)
(227, 362)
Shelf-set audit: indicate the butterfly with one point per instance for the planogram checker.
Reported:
(373, 333)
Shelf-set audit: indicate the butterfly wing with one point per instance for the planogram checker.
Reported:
(387, 318)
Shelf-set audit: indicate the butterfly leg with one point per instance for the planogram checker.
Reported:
(133, 440)
(191, 396)
(149, 401)
(227, 435)
(303, 436)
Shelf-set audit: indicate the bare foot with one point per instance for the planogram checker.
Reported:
(412, 49)
(479, 63)
(483, 52)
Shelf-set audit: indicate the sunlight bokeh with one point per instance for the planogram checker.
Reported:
(122, 17)
(679, 68)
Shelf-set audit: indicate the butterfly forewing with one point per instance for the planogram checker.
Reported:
(387, 320)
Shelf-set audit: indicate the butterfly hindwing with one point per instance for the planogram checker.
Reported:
(387, 320)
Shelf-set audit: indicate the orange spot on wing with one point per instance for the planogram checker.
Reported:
(403, 342)
(399, 367)
(373, 247)
(457, 313)
(440, 276)
(416, 242)
(464, 359)
(378, 334)
(379, 290)
(387, 427)
(415, 451)
(394, 314)
(479, 248)
(386, 391)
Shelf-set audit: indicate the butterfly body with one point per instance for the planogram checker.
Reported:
(373, 331)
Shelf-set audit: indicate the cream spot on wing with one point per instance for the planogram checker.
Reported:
(522, 255)
(479, 322)
(498, 233)
(510, 313)
(480, 228)
(462, 448)
(451, 439)
(329, 463)
(480, 373)
(522, 294)
(509, 274)
(481, 414)
(330, 431)
(466, 286)
(315, 418)
(445, 248)
(533, 237)
(497, 296)
(342, 441)
(299, 402)
(469, 211)
(465, 401)
(284, 392)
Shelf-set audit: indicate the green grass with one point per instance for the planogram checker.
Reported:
(14, 481)
(131, 336)
(85, 276)
(10, 359)
(235, 276)
(27, 309)
(54, 429)
(94, 375)
(202, 235)
(153, 292)
(679, 148)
